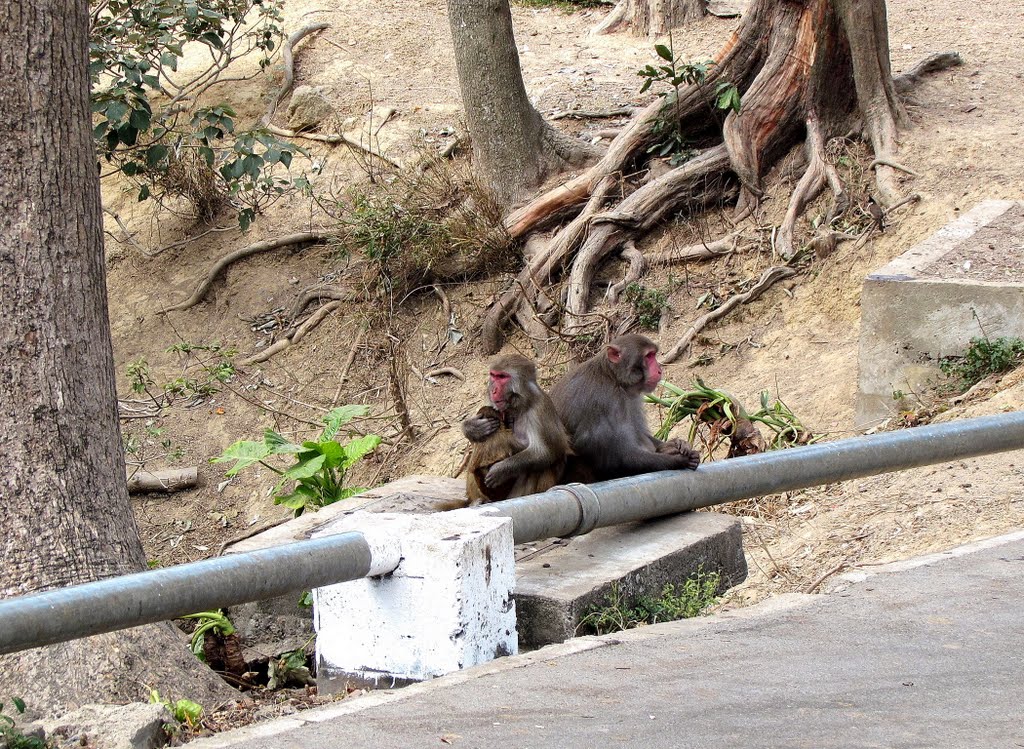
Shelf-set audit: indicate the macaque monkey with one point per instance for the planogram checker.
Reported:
(601, 404)
(519, 443)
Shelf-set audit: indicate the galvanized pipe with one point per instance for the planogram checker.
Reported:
(568, 511)
(161, 594)
(157, 595)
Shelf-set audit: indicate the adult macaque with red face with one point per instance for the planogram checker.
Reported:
(601, 404)
(519, 443)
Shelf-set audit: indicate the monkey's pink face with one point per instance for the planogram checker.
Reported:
(653, 370)
(498, 382)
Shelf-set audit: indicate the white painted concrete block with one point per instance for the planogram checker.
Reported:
(447, 606)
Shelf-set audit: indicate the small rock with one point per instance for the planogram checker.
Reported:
(308, 107)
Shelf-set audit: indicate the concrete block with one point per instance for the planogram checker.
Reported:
(272, 627)
(559, 583)
(965, 281)
(447, 606)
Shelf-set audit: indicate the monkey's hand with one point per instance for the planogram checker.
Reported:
(688, 457)
(478, 428)
(498, 475)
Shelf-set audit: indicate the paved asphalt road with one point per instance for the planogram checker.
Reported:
(929, 654)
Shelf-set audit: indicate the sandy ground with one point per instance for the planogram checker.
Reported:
(800, 343)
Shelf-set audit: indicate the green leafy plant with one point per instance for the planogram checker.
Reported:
(147, 121)
(186, 712)
(670, 139)
(215, 621)
(10, 736)
(203, 369)
(984, 357)
(717, 416)
(695, 595)
(648, 305)
(291, 667)
(318, 475)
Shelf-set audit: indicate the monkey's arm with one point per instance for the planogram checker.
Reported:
(478, 428)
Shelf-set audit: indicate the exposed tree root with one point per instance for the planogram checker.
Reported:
(450, 371)
(299, 241)
(703, 251)
(811, 70)
(767, 280)
(637, 266)
(289, 66)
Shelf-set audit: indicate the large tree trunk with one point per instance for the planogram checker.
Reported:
(651, 17)
(64, 505)
(514, 149)
(810, 70)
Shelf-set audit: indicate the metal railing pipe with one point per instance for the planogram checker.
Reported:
(577, 509)
(157, 595)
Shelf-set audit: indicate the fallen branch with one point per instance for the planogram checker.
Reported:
(289, 66)
(299, 240)
(768, 278)
(315, 319)
(590, 114)
(173, 480)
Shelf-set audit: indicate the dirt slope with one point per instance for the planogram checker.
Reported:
(801, 343)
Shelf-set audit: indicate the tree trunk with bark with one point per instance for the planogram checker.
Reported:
(651, 17)
(807, 70)
(64, 505)
(514, 149)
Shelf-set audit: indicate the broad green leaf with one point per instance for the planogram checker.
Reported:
(278, 444)
(663, 52)
(245, 453)
(359, 447)
(339, 417)
(297, 500)
(19, 704)
(334, 452)
(304, 469)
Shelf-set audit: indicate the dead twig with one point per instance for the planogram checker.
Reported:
(333, 138)
(768, 279)
(452, 371)
(315, 319)
(299, 240)
(347, 366)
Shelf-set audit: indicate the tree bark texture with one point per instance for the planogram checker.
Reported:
(64, 505)
(651, 17)
(514, 149)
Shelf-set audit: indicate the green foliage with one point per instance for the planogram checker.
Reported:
(648, 305)
(696, 594)
(318, 475)
(216, 621)
(669, 138)
(186, 712)
(10, 736)
(984, 357)
(724, 417)
(203, 369)
(291, 667)
(147, 119)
